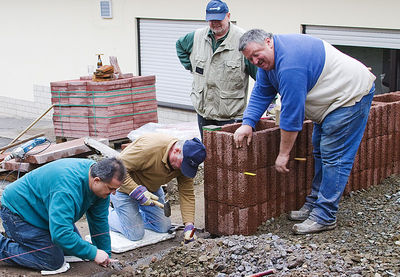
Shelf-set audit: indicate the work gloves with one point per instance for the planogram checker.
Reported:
(143, 196)
(189, 233)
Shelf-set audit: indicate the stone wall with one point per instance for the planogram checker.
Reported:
(242, 188)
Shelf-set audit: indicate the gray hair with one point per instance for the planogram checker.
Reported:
(179, 144)
(107, 169)
(253, 35)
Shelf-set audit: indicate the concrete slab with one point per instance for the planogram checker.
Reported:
(61, 150)
(13, 165)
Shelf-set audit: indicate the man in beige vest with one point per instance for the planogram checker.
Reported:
(220, 71)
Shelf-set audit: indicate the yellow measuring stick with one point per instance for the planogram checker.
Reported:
(249, 173)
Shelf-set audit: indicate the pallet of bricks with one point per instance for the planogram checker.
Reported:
(109, 109)
(242, 189)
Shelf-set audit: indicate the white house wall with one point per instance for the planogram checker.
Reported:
(50, 40)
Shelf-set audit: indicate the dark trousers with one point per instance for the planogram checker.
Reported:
(204, 122)
(28, 245)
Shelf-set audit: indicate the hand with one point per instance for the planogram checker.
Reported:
(102, 258)
(281, 162)
(241, 133)
(143, 196)
(189, 233)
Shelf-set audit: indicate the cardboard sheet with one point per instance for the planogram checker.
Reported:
(120, 244)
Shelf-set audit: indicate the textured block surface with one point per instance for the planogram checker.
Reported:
(246, 201)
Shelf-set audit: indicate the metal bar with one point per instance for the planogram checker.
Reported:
(30, 126)
(20, 142)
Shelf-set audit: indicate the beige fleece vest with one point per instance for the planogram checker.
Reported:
(219, 89)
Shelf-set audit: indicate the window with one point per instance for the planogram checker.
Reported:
(157, 56)
(376, 48)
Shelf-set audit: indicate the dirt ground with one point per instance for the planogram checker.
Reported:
(364, 217)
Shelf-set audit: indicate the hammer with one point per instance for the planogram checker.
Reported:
(166, 207)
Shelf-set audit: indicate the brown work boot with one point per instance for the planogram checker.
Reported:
(309, 226)
(299, 215)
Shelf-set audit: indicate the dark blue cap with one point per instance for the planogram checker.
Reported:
(194, 153)
(216, 10)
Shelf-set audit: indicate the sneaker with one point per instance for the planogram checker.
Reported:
(309, 226)
(299, 215)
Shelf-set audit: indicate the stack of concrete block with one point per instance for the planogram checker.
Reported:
(107, 109)
(242, 189)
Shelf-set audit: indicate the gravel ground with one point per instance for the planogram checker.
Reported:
(365, 243)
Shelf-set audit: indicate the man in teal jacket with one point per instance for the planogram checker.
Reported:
(39, 211)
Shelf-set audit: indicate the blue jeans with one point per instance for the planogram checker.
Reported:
(130, 218)
(28, 245)
(335, 142)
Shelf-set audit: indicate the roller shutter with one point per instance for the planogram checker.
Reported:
(351, 36)
(157, 56)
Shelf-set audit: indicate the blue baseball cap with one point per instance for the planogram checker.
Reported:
(194, 153)
(216, 10)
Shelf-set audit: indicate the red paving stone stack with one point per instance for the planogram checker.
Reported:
(108, 109)
(242, 189)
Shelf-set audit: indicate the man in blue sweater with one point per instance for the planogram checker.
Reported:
(39, 211)
(317, 82)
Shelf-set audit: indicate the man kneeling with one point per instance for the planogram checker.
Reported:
(39, 211)
(152, 161)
